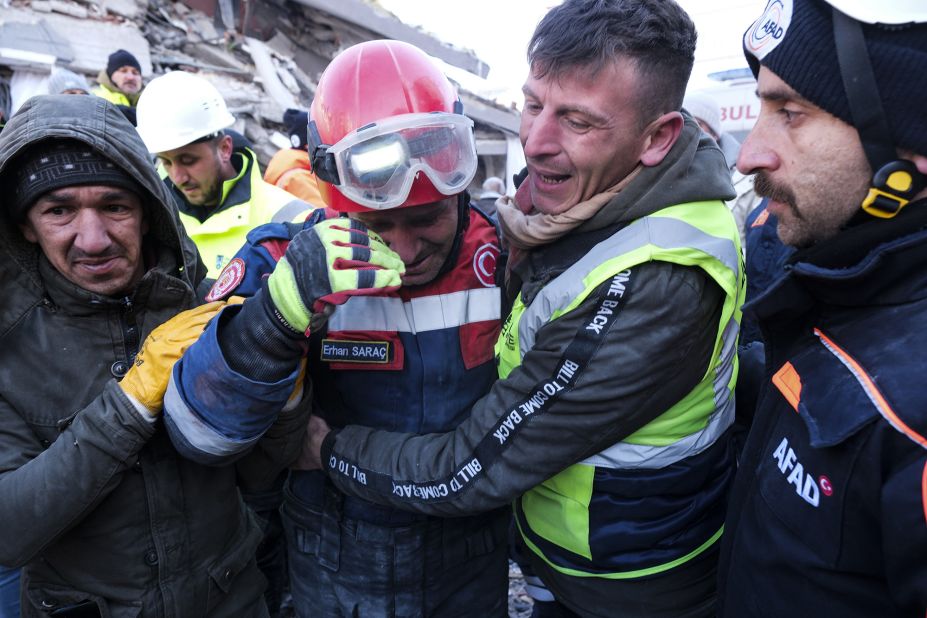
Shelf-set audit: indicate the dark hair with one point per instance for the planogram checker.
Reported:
(656, 35)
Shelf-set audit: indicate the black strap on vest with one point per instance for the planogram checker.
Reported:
(612, 297)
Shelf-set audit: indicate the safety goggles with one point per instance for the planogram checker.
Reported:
(376, 164)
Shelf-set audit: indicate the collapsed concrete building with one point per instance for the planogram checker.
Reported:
(263, 55)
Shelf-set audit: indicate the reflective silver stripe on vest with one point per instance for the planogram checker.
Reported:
(378, 313)
(663, 232)
(289, 210)
(624, 455)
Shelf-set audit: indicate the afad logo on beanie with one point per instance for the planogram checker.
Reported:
(768, 31)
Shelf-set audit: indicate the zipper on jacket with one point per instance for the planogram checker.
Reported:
(130, 338)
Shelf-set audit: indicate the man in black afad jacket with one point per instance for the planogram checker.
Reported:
(100, 510)
(828, 515)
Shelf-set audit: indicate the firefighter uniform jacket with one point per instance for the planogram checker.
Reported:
(413, 362)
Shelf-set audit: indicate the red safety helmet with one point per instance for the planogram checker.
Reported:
(386, 130)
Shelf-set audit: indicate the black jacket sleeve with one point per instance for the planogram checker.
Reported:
(45, 492)
(657, 349)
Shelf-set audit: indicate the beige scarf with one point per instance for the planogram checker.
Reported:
(524, 228)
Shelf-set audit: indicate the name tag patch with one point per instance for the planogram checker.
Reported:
(340, 351)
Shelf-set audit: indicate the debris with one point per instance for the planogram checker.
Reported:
(266, 70)
(264, 56)
(128, 9)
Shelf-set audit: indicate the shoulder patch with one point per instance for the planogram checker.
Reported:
(228, 280)
(484, 264)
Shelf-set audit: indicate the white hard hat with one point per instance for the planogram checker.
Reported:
(178, 108)
(889, 12)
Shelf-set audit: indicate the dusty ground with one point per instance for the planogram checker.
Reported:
(519, 602)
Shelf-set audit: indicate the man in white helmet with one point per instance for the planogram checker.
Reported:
(218, 188)
(828, 515)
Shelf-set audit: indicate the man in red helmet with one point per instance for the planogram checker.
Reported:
(391, 148)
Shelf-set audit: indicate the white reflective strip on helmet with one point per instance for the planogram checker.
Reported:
(427, 313)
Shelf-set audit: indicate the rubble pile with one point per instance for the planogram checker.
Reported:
(263, 55)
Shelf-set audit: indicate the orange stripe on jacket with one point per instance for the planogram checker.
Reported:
(872, 391)
(924, 491)
(788, 382)
(761, 218)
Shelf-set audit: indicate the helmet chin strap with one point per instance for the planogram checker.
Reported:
(463, 221)
(895, 181)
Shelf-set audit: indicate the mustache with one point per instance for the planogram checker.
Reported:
(764, 187)
(111, 252)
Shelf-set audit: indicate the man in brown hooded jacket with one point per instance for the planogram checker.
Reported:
(98, 507)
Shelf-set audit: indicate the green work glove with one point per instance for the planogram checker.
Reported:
(327, 264)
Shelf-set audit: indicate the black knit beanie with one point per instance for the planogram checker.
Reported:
(297, 125)
(795, 40)
(118, 59)
(51, 165)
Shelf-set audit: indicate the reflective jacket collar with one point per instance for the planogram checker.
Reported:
(234, 192)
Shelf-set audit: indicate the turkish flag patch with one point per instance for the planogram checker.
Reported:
(228, 280)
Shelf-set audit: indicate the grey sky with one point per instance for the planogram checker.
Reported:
(498, 31)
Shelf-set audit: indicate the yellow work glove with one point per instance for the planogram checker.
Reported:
(147, 378)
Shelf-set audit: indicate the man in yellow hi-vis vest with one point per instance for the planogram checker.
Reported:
(218, 188)
(609, 426)
(120, 82)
